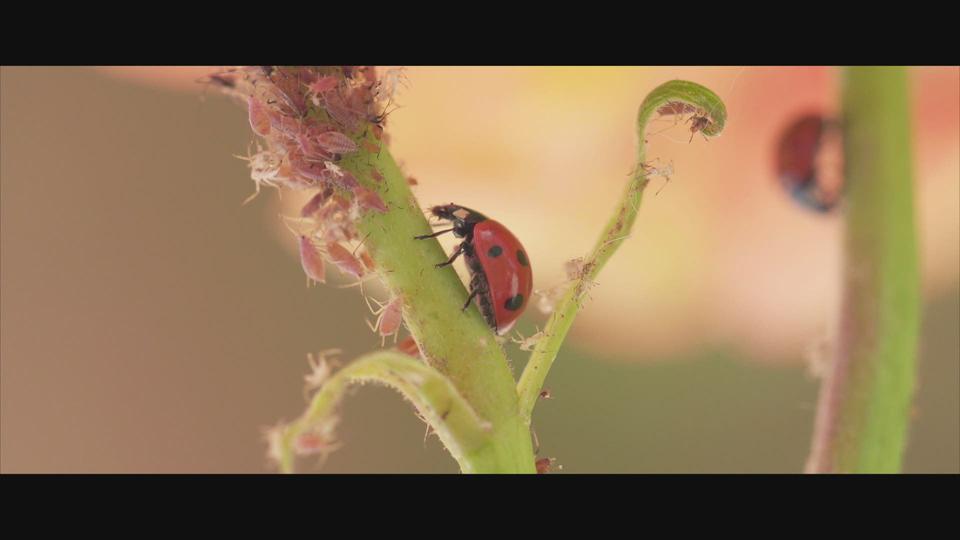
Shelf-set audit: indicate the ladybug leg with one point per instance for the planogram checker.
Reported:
(473, 293)
(457, 253)
(438, 233)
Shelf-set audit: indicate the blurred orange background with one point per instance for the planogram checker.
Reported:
(152, 324)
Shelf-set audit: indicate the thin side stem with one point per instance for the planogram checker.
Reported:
(459, 427)
(709, 106)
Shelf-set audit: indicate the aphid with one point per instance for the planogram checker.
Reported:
(321, 367)
(321, 86)
(411, 181)
(344, 260)
(312, 150)
(336, 142)
(387, 87)
(664, 171)
(269, 168)
(799, 163)
(544, 465)
(259, 118)
(311, 260)
(334, 169)
(346, 181)
(574, 268)
(313, 443)
(370, 147)
(287, 89)
(376, 175)
(545, 394)
(408, 345)
(316, 202)
(500, 275)
(698, 122)
(311, 172)
(264, 166)
(285, 125)
(390, 316)
(337, 108)
(367, 261)
(369, 73)
(527, 343)
(369, 200)
(360, 98)
(318, 439)
(678, 108)
(337, 230)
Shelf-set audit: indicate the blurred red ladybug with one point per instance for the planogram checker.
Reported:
(800, 163)
(500, 275)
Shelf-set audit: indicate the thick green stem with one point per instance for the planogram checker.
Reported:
(865, 401)
(617, 230)
(456, 343)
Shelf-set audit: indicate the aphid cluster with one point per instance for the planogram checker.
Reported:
(309, 119)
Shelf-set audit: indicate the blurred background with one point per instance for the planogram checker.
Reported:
(150, 323)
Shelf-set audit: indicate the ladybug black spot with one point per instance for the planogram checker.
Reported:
(522, 257)
(495, 251)
(514, 303)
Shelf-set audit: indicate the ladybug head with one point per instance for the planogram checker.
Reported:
(463, 218)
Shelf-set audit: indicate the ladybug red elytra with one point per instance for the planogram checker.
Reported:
(800, 166)
(500, 275)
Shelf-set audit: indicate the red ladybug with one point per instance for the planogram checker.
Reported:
(799, 163)
(500, 276)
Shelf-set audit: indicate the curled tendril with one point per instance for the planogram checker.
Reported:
(712, 115)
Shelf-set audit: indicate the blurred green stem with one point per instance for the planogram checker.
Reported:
(865, 401)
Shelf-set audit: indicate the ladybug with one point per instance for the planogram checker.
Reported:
(799, 166)
(500, 275)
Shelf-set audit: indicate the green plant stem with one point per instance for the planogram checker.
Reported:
(865, 401)
(435, 398)
(456, 343)
(616, 231)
